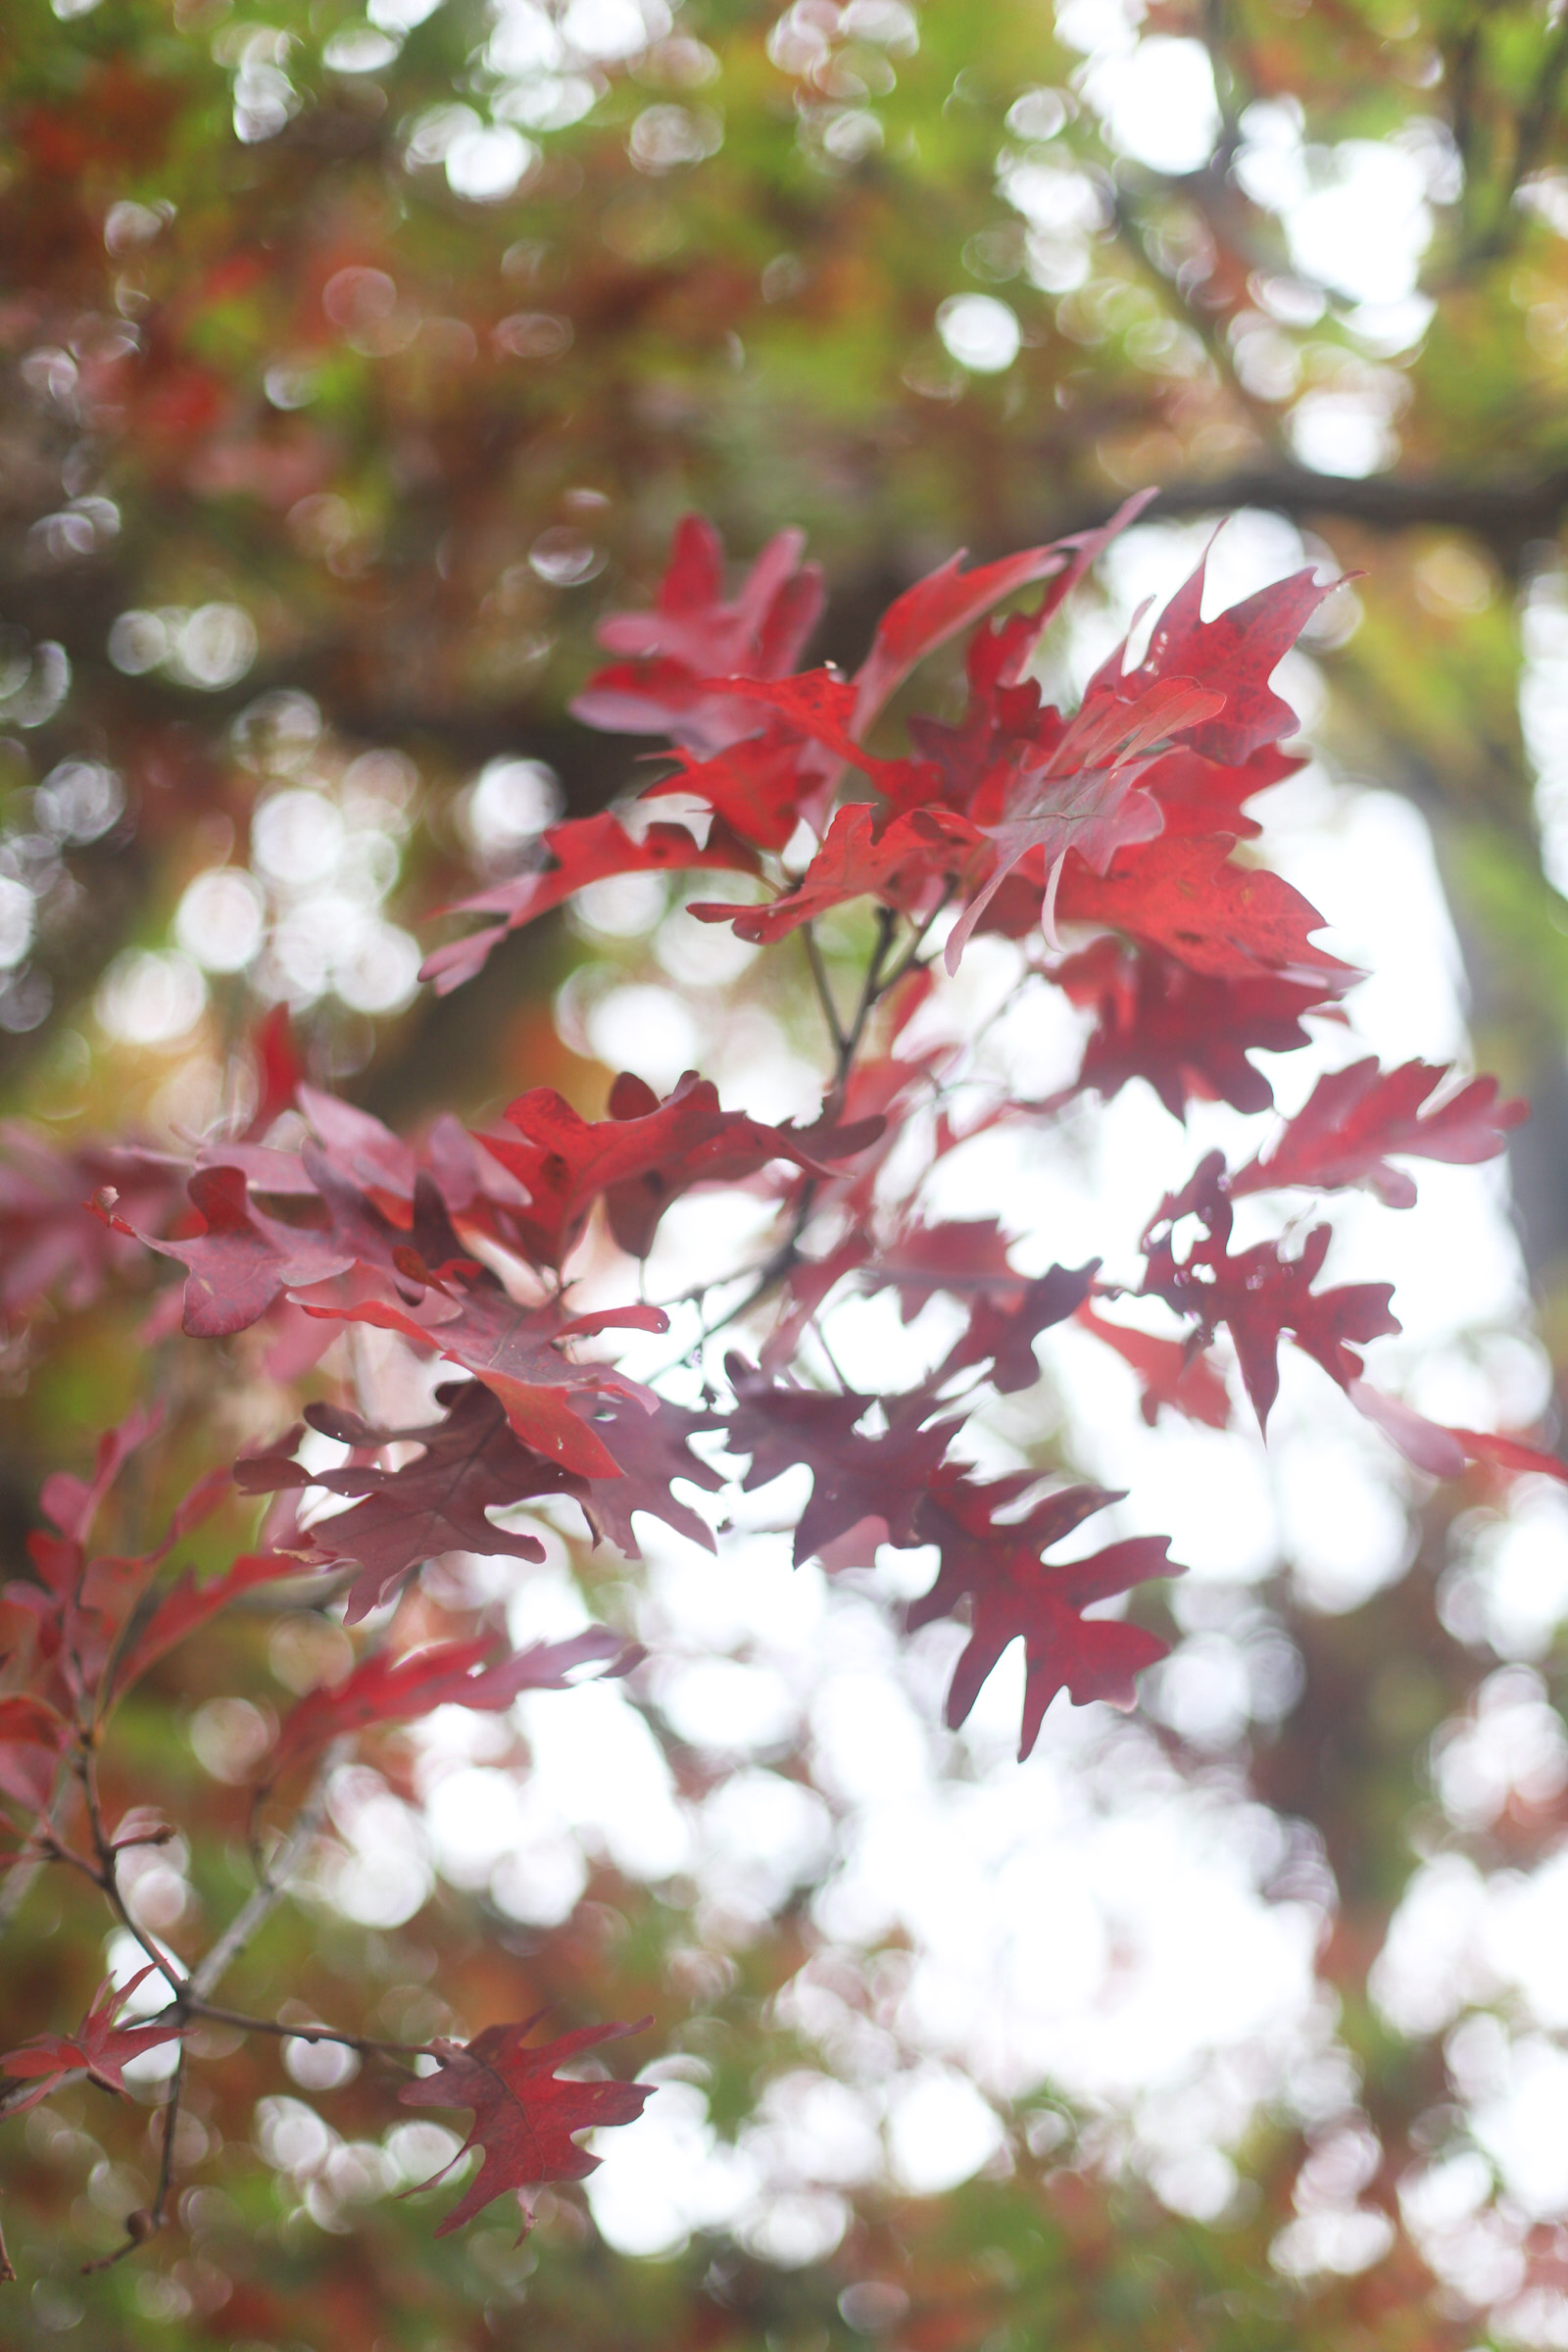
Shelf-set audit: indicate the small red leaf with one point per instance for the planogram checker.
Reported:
(524, 2115)
(1355, 1118)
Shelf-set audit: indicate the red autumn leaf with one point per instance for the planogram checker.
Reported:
(53, 1243)
(1240, 648)
(1230, 921)
(471, 1320)
(753, 787)
(1198, 796)
(961, 1256)
(244, 1258)
(80, 1603)
(588, 849)
(1002, 1327)
(968, 1261)
(99, 2049)
(819, 705)
(1083, 798)
(1187, 1033)
(1259, 1294)
(865, 1488)
(472, 1463)
(650, 1449)
(385, 1689)
(73, 1504)
(356, 1266)
(693, 637)
(1003, 728)
(279, 1067)
(904, 862)
(1013, 1593)
(949, 599)
(524, 2115)
(642, 1157)
(188, 1604)
(33, 1735)
(1443, 1452)
(1355, 1118)
(1168, 1372)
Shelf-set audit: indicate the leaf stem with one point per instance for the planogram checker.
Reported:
(824, 992)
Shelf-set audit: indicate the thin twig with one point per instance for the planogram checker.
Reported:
(148, 2220)
(824, 993)
(164, 1961)
(367, 2043)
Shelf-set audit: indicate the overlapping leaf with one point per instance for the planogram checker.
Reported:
(382, 1689)
(867, 1485)
(995, 1566)
(1260, 1295)
(472, 1463)
(693, 637)
(643, 1157)
(1357, 1118)
(1186, 1034)
(584, 850)
(524, 2116)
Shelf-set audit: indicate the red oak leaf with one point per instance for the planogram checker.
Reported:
(587, 849)
(1356, 1117)
(1169, 1372)
(99, 2049)
(1198, 796)
(80, 1605)
(33, 1737)
(949, 600)
(384, 1690)
(904, 862)
(693, 637)
(524, 2115)
(472, 1463)
(1002, 1329)
(423, 1284)
(969, 1260)
(960, 1256)
(1240, 650)
(53, 1243)
(865, 1490)
(72, 1503)
(1083, 798)
(1230, 921)
(1187, 1033)
(245, 1258)
(642, 1157)
(650, 1449)
(755, 787)
(1259, 1294)
(1003, 727)
(1013, 1593)
(1444, 1451)
(190, 1604)
(280, 1068)
(820, 706)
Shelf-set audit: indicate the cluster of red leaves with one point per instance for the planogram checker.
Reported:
(1126, 820)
